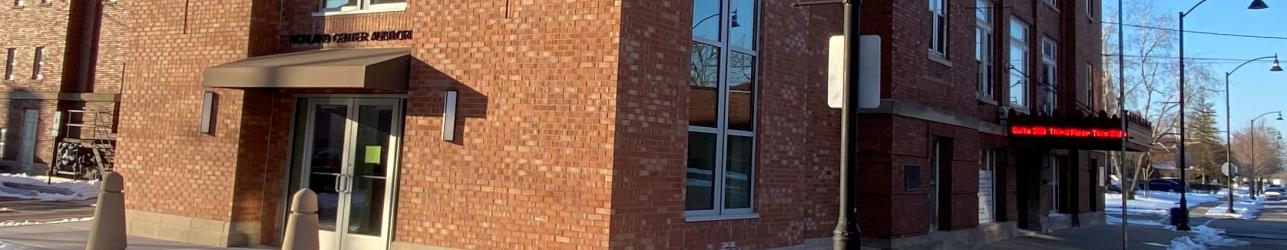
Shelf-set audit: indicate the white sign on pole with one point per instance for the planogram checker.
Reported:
(1224, 169)
(868, 71)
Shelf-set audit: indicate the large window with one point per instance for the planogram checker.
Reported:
(362, 5)
(8, 63)
(983, 47)
(938, 29)
(1089, 87)
(1018, 64)
(721, 113)
(1049, 82)
(35, 64)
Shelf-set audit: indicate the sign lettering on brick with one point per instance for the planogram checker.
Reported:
(323, 38)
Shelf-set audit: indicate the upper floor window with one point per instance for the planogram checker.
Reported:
(721, 113)
(983, 47)
(938, 27)
(363, 5)
(1090, 87)
(1054, 4)
(36, 63)
(1018, 64)
(8, 63)
(1049, 81)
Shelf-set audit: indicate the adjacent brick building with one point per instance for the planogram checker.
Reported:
(64, 65)
(429, 124)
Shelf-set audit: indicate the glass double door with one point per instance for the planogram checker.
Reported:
(350, 150)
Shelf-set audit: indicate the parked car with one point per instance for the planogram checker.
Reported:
(1274, 193)
(1169, 185)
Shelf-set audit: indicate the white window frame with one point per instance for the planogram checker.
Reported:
(363, 6)
(1054, 185)
(1090, 87)
(939, 37)
(722, 132)
(1021, 43)
(1053, 4)
(1090, 9)
(1049, 74)
(10, 58)
(37, 62)
(984, 45)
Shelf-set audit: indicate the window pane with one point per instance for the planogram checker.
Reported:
(741, 92)
(387, 1)
(1018, 30)
(738, 174)
(1018, 63)
(703, 86)
(332, 4)
(742, 31)
(706, 19)
(700, 182)
(982, 10)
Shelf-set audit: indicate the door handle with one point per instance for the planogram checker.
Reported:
(348, 183)
(341, 183)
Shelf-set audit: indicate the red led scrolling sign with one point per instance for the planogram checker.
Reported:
(1064, 132)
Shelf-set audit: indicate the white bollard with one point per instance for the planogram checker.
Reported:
(107, 231)
(301, 227)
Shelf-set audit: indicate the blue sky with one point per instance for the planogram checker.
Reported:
(1254, 90)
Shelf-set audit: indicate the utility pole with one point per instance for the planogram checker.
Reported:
(847, 233)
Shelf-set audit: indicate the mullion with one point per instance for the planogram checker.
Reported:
(721, 144)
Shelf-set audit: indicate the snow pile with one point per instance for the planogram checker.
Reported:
(80, 190)
(1205, 237)
(1185, 243)
(1209, 236)
(10, 246)
(1243, 206)
(30, 223)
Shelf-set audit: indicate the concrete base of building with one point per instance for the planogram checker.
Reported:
(960, 239)
(191, 230)
(1066, 221)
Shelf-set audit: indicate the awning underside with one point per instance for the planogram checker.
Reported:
(384, 69)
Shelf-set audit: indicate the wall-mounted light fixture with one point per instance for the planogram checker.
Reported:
(449, 116)
(207, 112)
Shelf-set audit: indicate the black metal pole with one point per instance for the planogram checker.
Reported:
(1184, 177)
(847, 234)
(1121, 106)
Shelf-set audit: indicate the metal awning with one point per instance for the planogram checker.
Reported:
(384, 69)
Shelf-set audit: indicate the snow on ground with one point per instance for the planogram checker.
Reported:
(1205, 237)
(30, 223)
(81, 190)
(1244, 207)
(10, 246)
(1157, 203)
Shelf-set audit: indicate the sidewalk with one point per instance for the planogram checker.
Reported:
(72, 236)
(1096, 237)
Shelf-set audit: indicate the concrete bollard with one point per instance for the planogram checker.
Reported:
(301, 227)
(107, 231)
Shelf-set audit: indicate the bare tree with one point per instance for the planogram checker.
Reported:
(1258, 150)
(1151, 81)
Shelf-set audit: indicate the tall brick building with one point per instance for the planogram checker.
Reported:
(64, 64)
(658, 124)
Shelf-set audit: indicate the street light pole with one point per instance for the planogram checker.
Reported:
(1252, 133)
(1228, 137)
(847, 234)
(1184, 178)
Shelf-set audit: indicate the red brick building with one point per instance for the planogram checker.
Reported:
(64, 64)
(660, 124)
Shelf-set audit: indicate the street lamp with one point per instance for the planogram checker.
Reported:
(1252, 133)
(1228, 146)
(1184, 183)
